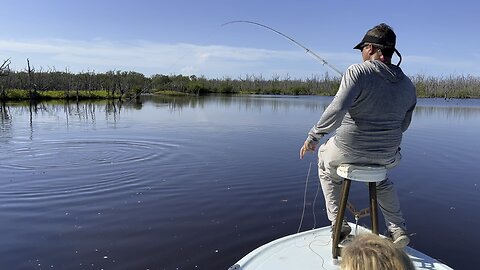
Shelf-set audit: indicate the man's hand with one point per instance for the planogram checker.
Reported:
(307, 146)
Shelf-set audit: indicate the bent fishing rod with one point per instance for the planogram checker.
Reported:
(307, 50)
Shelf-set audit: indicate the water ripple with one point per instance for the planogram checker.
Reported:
(62, 169)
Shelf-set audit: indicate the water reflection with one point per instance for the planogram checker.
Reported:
(456, 109)
(198, 177)
(5, 121)
(87, 112)
(254, 103)
(79, 112)
(454, 112)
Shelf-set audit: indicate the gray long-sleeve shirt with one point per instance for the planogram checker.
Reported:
(370, 111)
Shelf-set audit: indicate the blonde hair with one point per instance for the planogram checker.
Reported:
(372, 252)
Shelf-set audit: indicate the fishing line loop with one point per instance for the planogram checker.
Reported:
(304, 198)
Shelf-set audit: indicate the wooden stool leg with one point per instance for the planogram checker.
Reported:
(372, 186)
(339, 220)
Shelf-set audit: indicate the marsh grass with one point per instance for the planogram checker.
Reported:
(170, 93)
(21, 94)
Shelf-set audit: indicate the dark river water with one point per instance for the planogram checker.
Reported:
(197, 183)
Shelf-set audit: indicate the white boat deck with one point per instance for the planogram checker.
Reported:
(312, 250)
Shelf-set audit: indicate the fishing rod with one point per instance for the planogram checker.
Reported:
(307, 50)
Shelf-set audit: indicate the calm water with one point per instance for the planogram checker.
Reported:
(198, 183)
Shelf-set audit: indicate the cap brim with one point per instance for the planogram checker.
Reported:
(359, 46)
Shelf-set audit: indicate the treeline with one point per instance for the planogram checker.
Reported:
(132, 84)
(114, 84)
(459, 86)
(129, 84)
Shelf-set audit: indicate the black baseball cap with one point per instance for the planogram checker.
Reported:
(383, 39)
(381, 36)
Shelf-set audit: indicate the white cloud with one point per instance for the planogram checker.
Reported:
(433, 66)
(209, 60)
(152, 58)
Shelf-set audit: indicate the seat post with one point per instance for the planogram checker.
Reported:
(370, 174)
(339, 220)
(372, 186)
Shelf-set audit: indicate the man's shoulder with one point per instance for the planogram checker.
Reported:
(361, 68)
(357, 66)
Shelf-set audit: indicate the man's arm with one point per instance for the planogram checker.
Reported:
(332, 117)
(407, 119)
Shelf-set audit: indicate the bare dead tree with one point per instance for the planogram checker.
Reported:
(4, 71)
(31, 84)
(5, 67)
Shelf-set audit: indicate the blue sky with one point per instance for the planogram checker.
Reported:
(436, 38)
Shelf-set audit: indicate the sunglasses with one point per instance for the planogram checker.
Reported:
(364, 45)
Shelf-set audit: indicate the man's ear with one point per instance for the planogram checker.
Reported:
(371, 49)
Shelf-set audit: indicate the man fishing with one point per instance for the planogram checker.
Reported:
(370, 112)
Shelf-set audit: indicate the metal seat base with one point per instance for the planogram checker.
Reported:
(369, 174)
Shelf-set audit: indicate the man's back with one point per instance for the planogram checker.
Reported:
(381, 111)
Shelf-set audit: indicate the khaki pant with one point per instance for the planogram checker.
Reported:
(330, 157)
